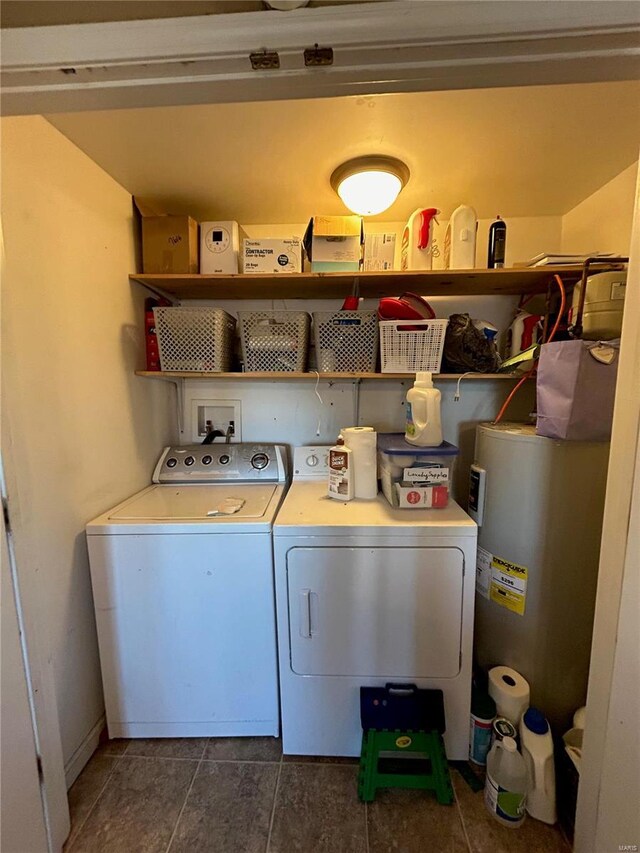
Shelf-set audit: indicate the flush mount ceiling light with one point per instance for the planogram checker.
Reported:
(369, 185)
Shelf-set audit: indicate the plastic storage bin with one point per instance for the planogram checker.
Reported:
(194, 338)
(411, 346)
(274, 340)
(415, 477)
(346, 341)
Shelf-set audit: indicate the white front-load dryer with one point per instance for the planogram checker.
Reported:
(366, 595)
(182, 577)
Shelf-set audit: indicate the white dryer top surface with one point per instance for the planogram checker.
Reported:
(169, 508)
(307, 509)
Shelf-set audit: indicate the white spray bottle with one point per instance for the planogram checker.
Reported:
(424, 426)
(418, 245)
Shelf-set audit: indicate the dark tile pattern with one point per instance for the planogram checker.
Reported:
(138, 808)
(240, 795)
(320, 759)
(413, 822)
(228, 809)
(85, 791)
(317, 809)
(486, 835)
(243, 749)
(117, 746)
(168, 747)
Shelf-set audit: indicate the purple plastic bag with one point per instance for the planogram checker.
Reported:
(576, 386)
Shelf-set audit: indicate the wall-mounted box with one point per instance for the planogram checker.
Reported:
(334, 243)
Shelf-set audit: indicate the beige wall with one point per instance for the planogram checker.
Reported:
(80, 431)
(602, 221)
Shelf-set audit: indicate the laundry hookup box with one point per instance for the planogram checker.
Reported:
(415, 477)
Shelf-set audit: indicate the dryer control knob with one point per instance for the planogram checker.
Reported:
(312, 461)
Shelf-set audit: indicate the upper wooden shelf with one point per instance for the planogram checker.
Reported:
(501, 282)
(313, 376)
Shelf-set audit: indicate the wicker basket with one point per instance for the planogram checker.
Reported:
(411, 346)
(274, 340)
(346, 341)
(195, 339)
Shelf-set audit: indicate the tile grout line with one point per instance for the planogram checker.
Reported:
(273, 805)
(461, 816)
(193, 779)
(95, 802)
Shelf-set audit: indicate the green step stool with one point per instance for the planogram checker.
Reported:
(402, 744)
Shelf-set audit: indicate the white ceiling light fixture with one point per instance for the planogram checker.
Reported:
(369, 185)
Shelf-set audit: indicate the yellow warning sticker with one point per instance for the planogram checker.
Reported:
(508, 584)
(403, 741)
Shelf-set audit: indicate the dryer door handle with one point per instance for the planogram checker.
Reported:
(304, 597)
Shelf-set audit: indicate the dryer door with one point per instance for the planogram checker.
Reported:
(375, 611)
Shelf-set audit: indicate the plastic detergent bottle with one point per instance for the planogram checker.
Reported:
(505, 790)
(418, 247)
(424, 427)
(536, 743)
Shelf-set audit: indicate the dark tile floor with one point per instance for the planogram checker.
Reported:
(239, 795)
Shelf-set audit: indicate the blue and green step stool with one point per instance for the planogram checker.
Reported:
(402, 747)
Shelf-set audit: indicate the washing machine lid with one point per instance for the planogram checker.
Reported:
(307, 510)
(165, 503)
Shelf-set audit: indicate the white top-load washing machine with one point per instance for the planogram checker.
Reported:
(182, 577)
(367, 594)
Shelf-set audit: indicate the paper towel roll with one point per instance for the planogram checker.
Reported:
(363, 442)
(510, 692)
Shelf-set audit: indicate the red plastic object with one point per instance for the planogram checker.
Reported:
(409, 306)
(425, 221)
(351, 303)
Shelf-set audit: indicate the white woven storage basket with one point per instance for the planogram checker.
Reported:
(411, 346)
(346, 341)
(195, 338)
(274, 340)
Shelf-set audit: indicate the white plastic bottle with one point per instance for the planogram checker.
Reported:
(505, 790)
(460, 239)
(341, 482)
(424, 427)
(536, 743)
(418, 245)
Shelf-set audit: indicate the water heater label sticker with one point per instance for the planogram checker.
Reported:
(483, 572)
(508, 584)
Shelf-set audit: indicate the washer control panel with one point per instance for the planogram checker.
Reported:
(311, 462)
(211, 463)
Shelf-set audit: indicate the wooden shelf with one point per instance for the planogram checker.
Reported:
(501, 282)
(313, 377)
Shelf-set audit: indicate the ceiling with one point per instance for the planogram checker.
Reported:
(530, 151)
(43, 13)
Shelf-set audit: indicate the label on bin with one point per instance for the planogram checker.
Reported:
(430, 476)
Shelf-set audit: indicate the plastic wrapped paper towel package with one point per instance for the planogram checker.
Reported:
(415, 477)
(362, 442)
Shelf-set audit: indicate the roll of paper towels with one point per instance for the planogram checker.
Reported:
(363, 442)
(510, 691)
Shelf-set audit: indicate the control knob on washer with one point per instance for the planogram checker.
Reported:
(259, 461)
(312, 461)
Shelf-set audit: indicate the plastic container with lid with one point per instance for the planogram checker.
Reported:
(537, 750)
(415, 477)
(505, 790)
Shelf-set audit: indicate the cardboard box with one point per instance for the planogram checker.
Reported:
(379, 251)
(169, 244)
(272, 256)
(334, 243)
(220, 247)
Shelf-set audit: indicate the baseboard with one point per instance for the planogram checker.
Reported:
(74, 766)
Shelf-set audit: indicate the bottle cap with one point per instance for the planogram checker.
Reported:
(535, 721)
(509, 744)
(424, 380)
(340, 440)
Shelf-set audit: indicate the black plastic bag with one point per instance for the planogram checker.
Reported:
(467, 348)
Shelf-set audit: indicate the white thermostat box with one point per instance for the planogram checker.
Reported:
(272, 256)
(219, 247)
